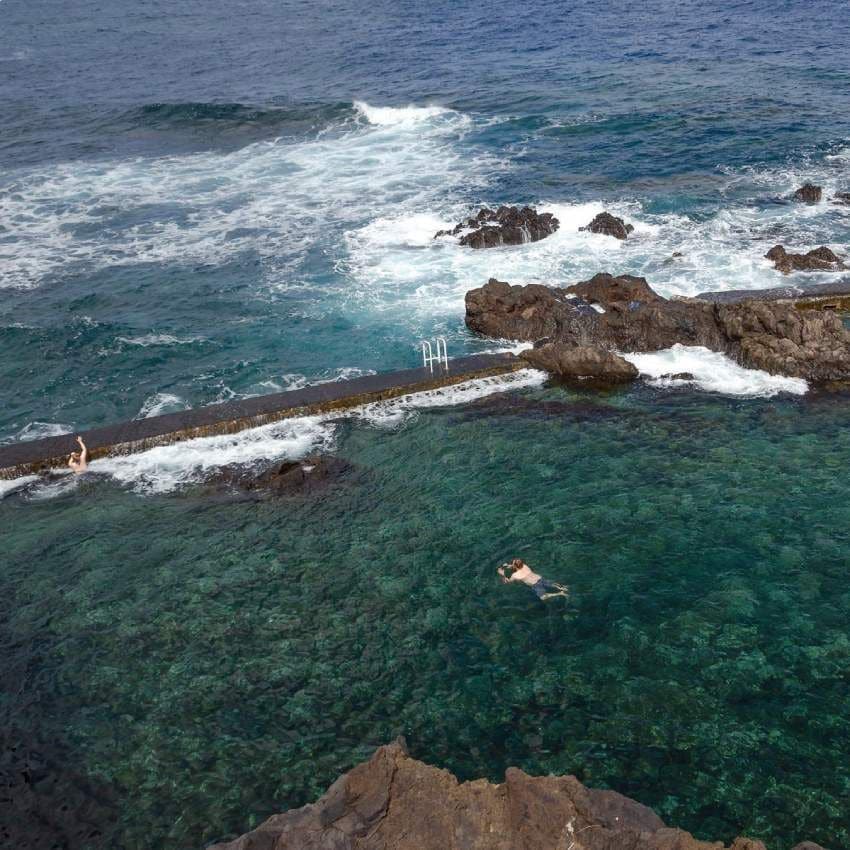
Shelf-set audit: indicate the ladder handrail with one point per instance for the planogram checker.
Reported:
(427, 354)
(429, 357)
(442, 339)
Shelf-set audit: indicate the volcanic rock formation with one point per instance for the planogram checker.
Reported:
(393, 802)
(609, 225)
(583, 361)
(624, 314)
(504, 226)
(818, 260)
(808, 193)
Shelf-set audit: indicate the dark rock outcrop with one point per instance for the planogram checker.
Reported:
(808, 193)
(580, 362)
(841, 198)
(393, 802)
(773, 336)
(820, 259)
(504, 226)
(609, 225)
(605, 289)
(283, 479)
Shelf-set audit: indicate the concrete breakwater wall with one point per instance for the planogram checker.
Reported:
(820, 296)
(38, 456)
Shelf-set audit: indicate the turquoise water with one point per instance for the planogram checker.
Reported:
(211, 200)
(213, 661)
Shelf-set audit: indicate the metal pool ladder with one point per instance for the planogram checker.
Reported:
(429, 357)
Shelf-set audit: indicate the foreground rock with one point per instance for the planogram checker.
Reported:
(393, 802)
(504, 226)
(283, 479)
(820, 260)
(624, 314)
(609, 225)
(581, 362)
(808, 193)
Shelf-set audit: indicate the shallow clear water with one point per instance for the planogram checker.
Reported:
(225, 199)
(219, 660)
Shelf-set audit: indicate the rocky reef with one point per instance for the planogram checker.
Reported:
(624, 314)
(393, 802)
(818, 260)
(609, 225)
(808, 193)
(291, 477)
(504, 226)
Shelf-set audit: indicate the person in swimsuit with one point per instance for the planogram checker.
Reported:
(543, 588)
(79, 461)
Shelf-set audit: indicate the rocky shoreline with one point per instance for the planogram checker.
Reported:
(394, 802)
(579, 331)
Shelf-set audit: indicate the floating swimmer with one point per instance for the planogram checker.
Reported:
(79, 461)
(520, 571)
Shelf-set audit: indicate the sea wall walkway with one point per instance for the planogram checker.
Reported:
(37, 456)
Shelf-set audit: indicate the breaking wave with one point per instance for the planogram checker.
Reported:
(712, 372)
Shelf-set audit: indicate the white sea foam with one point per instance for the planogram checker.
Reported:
(16, 484)
(398, 266)
(148, 340)
(40, 430)
(713, 372)
(394, 116)
(160, 403)
(166, 468)
(274, 199)
(397, 411)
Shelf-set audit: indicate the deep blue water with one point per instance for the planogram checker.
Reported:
(192, 205)
(207, 200)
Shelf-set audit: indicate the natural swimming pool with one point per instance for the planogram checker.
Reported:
(207, 661)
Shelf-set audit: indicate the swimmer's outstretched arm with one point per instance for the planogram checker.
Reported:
(84, 452)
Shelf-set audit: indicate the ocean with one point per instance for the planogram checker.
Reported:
(208, 201)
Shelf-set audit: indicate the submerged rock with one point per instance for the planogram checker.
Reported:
(583, 361)
(393, 802)
(819, 259)
(504, 226)
(609, 225)
(841, 198)
(286, 478)
(773, 336)
(808, 193)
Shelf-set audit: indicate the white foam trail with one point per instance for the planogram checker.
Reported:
(16, 484)
(161, 403)
(512, 346)
(713, 372)
(158, 339)
(40, 430)
(397, 411)
(167, 468)
(276, 200)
